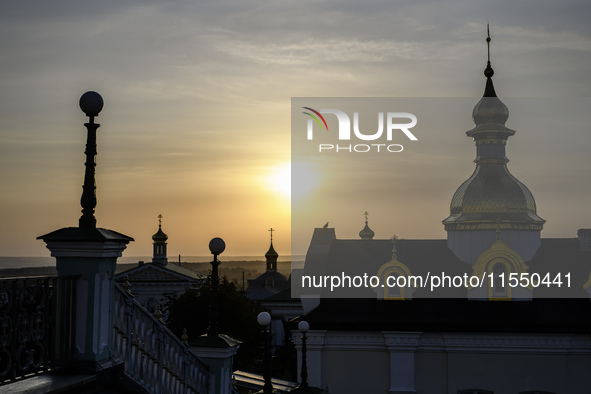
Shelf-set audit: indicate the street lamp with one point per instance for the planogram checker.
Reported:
(304, 327)
(216, 246)
(91, 103)
(264, 319)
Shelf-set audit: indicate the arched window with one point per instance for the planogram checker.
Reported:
(151, 305)
(500, 280)
(393, 288)
(270, 282)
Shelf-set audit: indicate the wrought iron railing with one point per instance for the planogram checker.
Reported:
(153, 356)
(34, 336)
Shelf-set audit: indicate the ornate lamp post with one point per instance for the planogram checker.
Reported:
(304, 327)
(216, 246)
(89, 254)
(91, 104)
(264, 319)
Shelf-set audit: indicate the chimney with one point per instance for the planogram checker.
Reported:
(584, 235)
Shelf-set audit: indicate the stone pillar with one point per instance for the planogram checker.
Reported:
(402, 347)
(90, 254)
(218, 353)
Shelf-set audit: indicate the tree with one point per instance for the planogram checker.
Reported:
(237, 318)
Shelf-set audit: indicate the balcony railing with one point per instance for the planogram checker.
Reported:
(35, 337)
(153, 356)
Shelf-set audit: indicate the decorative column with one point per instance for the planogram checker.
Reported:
(402, 347)
(90, 254)
(314, 348)
(264, 319)
(215, 349)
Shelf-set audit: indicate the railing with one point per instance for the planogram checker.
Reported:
(153, 356)
(33, 338)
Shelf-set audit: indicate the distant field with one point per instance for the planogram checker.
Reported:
(234, 270)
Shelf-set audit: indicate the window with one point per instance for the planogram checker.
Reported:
(500, 278)
(151, 305)
(270, 282)
(393, 289)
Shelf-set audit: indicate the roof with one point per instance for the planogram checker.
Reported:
(169, 272)
(85, 234)
(453, 315)
(259, 288)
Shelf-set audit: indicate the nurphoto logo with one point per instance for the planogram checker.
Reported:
(393, 123)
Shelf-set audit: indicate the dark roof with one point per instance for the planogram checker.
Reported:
(453, 315)
(85, 234)
(258, 288)
(175, 270)
(359, 257)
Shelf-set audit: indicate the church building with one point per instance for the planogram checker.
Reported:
(150, 282)
(487, 339)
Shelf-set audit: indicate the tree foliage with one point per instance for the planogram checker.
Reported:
(237, 318)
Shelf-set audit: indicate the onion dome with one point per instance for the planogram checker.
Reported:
(271, 255)
(492, 198)
(366, 233)
(160, 236)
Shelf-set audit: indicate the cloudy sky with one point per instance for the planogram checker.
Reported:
(196, 123)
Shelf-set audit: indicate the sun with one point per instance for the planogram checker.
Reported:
(293, 180)
(280, 179)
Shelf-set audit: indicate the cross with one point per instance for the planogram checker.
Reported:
(366, 216)
(160, 220)
(271, 230)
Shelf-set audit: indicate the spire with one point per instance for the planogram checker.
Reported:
(490, 114)
(492, 198)
(160, 238)
(271, 255)
(366, 233)
(489, 90)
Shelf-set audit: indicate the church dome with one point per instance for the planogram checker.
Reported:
(492, 198)
(271, 253)
(160, 236)
(366, 233)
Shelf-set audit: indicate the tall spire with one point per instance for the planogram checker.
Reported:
(492, 198)
(271, 254)
(160, 238)
(489, 90)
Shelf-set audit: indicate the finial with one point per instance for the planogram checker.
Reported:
(489, 90)
(488, 41)
(160, 220)
(394, 238)
(366, 214)
(91, 103)
(271, 230)
(488, 72)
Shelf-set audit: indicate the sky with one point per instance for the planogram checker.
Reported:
(196, 122)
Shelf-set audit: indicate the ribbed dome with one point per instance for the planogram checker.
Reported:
(493, 197)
